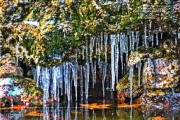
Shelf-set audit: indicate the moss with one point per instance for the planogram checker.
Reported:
(72, 23)
(124, 83)
(28, 85)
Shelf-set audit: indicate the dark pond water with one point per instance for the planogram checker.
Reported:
(95, 111)
(95, 108)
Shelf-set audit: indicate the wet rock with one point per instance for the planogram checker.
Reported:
(174, 101)
(19, 90)
(8, 67)
(14, 88)
(176, 6)
(8, 91)
(8, 88)
(161, 73)
(123, 89)
(157, 103)
(154, 100)
(5, 102)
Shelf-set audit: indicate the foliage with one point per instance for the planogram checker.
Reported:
(124, 83)
(28, 85)
(47, 31)
(167, 49)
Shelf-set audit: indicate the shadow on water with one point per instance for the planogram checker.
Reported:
(95, 108)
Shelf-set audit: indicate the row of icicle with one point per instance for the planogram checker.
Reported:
(120, 44)
(66, 73)
(63, 75)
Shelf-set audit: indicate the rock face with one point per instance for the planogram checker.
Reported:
(160, 85)
(8, 68)
(161, 81)
(161, 74)
(14, 88)
(7, 88)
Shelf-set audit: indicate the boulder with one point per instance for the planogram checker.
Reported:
(161, 73)
(8, 67)
(14, 88)
(159, 88)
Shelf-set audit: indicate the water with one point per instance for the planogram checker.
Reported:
(95, 108)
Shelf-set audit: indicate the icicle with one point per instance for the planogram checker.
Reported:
(145, 36)
(131, 82)
(58, 86)
(157, 40)
(101, 37)
(91, 48)
(96, 46)
(116, 62)
(45, 83)
(104, 67)
(81, 80)
(139, 73)
(38, 68)
(121, 49)
(92, 71)
(55, 84)
(130, 42)
(77, 51)
(150, 25)
(99, 50)
(127, 54)
(175, 40)
(87, 51)
(61, 78)
(17, 53)
(152, 40)
(61, 1)
(87, 80)
(112, 61)
(172, 91)
(74, 71)
(94, 74)
(105, 44)
(67, 80)
(137, 40)
(83, 52)
(75, 79)
(133, 40)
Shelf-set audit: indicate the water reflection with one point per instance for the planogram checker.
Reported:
(94, 108)
(84, 111)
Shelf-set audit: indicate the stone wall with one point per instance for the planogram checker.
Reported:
(161, 73)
